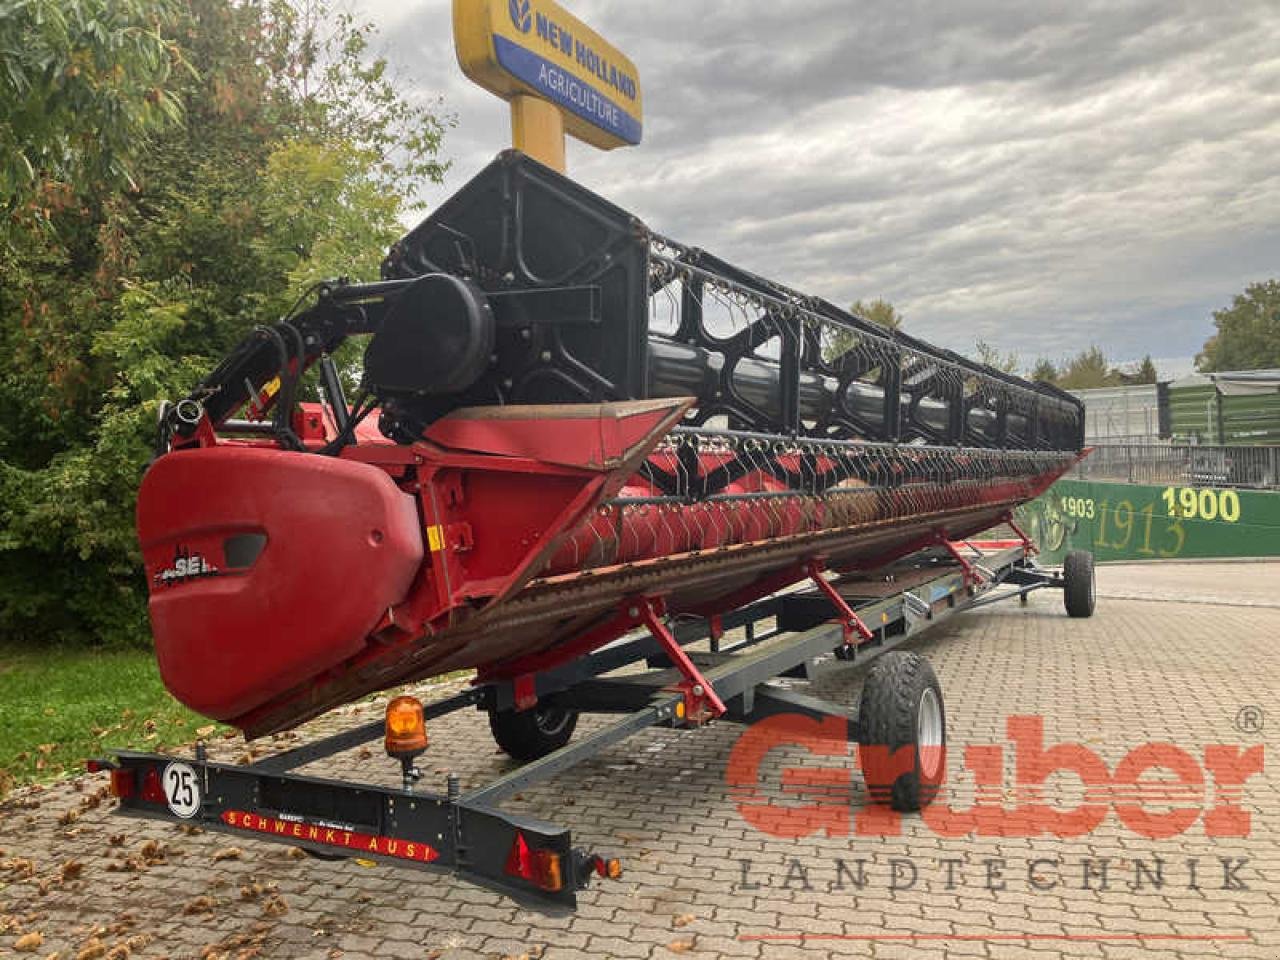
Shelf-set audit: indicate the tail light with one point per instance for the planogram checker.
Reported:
(539, 867)
(610, 869)
(152, 788)
(123, 784)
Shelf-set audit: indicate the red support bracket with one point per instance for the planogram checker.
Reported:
(850, 622)
(1027, 543)
(971, 575)
(699, 696)
(715, 625)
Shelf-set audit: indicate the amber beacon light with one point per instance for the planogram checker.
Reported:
(406, 728)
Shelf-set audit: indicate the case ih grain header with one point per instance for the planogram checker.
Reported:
(576, 446)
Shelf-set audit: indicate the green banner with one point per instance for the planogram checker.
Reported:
(1127, 521)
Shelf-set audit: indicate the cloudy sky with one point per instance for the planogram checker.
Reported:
(1042, 175)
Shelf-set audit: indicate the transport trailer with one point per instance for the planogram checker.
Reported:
(667, 672)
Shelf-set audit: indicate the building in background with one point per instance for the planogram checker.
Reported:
(1123, 414)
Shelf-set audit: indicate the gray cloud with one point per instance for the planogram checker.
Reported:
(1041, 175)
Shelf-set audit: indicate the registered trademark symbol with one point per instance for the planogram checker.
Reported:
(1250, 719)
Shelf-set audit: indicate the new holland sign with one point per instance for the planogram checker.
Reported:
(536, 47)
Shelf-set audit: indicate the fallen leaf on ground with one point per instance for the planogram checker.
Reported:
(20, 867)
(275, 907)
(680, 946)
(206, 730)
(92, 950)
(683, 920)
(153, 852)
(72, 869)
(122, 924)
(29, 942)
(198, 905)
(228, 853)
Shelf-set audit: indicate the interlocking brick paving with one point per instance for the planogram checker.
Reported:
(1173, 654)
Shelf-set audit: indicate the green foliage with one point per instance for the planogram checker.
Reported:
(1044, 370)
(117, 298)
(82, 84)
(1004, 362)
(878, 311)
(1087, 370)
(337, 91)
(1146, 371)
(837, 342)
(1248, 336)
(64, 706)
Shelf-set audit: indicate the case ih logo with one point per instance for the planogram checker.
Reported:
(520, 14)
(1182, 790)
(186, 566)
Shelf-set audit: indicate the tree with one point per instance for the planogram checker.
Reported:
(1146, 371)
(125, 295)
(878, 311)
(83, 86)
(1044, 370)
(1087, 370)
(1248, 332)
(1004, 362)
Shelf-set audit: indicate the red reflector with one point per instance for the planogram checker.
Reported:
(152, 789)
(123, 784)
(95, 766)
(610, 869)
(539, 867)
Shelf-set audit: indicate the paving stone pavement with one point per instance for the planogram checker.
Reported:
(701, 881)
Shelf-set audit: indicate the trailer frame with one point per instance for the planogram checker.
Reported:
(469, 835)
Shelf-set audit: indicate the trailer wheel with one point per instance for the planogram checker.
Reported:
(527, 735)
(902, 707)
(1079, 595)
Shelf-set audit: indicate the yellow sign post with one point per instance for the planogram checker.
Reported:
(558, 74)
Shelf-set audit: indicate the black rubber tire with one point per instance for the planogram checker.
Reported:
(527, 735)
(1079, 593)
(889, 716)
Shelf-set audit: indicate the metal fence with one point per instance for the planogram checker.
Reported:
(1183, 465)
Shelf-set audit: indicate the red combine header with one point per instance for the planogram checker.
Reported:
(565, 430)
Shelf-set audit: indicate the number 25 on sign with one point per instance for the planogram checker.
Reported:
(1191, 503)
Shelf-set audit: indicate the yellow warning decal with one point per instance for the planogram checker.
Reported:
(435, 538)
